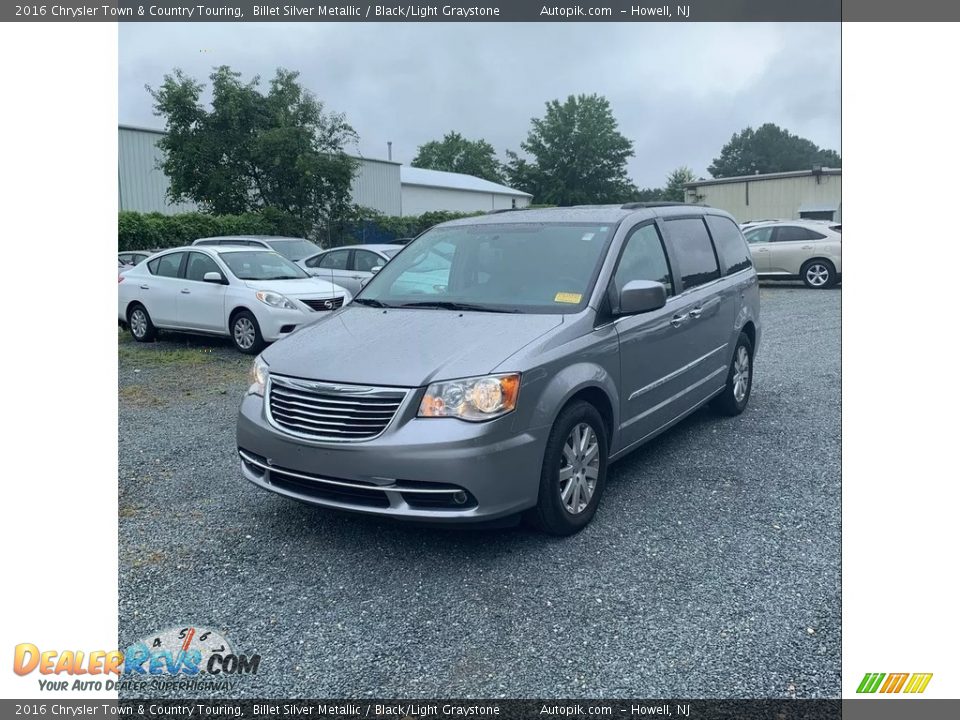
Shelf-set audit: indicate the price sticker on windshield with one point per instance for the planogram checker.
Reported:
(566, 297)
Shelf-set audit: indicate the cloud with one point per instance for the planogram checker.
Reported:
(678, 91)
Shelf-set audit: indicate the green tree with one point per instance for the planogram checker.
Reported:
(578, 155)
(768, 149)
(457, 154)
(275, 151)
(675, 181)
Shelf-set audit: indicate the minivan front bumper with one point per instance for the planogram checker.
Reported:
(427, 469)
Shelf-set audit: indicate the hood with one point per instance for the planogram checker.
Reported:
(301, 287)
(404, 348)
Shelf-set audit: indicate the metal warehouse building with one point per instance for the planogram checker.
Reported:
(812, 194)
(143, 186)
(427, 190)
(382, 185)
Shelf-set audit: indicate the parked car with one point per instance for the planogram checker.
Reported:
(254, 296)
(129, 259)
(349, 266)
(558, 341)
(807, 250)
(292, 249)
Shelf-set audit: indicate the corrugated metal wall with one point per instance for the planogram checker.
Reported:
(418, 199)
(377, 185)
(143, 187)
(770, 199)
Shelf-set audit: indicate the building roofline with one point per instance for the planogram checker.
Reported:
(156, 131)
(509, 191)
(763, 176)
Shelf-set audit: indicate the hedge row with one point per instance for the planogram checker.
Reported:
(153, 231)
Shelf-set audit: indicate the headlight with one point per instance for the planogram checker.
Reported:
(275, 300)
(258, 377)
(474, 399)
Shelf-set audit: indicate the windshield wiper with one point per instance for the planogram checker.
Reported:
(370, 302)
(448, 305)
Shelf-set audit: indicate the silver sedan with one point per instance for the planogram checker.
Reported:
(349, 266)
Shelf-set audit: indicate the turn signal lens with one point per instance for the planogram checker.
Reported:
(474, 399)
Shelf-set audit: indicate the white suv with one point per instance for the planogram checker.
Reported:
(807, 250)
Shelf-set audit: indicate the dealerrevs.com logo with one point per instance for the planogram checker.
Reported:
(910, 683)
(182, 658)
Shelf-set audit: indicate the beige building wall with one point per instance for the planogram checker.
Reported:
(771, 198)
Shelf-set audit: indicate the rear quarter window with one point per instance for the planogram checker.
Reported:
(696, 259)
(731, 247)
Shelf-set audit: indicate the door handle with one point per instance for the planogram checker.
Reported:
(185, 291)
(696, 312)
(763, 249)
(807, 247)
(144, 287)
(677, 320)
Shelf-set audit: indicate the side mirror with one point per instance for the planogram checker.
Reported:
(375, 269)
(640, 296)
(213, 277)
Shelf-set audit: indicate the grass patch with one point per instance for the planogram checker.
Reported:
(158, 355)
(139, 396)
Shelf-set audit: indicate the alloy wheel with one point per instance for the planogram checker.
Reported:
(580, 468)
(818, 275)
(138, 323)
(741, 374)
(244, 333)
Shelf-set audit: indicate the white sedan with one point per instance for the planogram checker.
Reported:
(253, 296)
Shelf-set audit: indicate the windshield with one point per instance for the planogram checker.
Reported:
(295, 248)
(261, 265)
(391, 252)
(528, 267)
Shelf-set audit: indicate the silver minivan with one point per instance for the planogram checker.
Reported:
(498, 364)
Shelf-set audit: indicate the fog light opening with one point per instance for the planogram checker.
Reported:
(460, 498)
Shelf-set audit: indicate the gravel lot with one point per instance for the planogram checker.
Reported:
(712, 568)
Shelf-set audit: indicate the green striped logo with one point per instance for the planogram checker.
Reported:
(894, 682)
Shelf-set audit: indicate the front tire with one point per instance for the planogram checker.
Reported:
(245, 333)
(574, 471)
(818, 274)
(141, 326)
(736, 394)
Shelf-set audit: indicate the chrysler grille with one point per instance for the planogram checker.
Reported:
(330, 411)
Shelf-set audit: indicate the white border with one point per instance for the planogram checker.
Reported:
(58, 184)
(901, 313)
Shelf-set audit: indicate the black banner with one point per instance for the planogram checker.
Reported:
(482, 11)
(214, 709)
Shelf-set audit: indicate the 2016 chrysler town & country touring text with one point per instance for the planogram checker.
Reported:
(498, 364)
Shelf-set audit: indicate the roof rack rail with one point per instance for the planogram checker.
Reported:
(659, 203)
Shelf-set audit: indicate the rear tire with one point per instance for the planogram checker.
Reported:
(141, 326)
(818, 274)
(574, 471)
(245, 333)
(736, 394)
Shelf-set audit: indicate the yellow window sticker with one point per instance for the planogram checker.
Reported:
(565, 297)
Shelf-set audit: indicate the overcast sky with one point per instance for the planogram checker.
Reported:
(678, 91)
